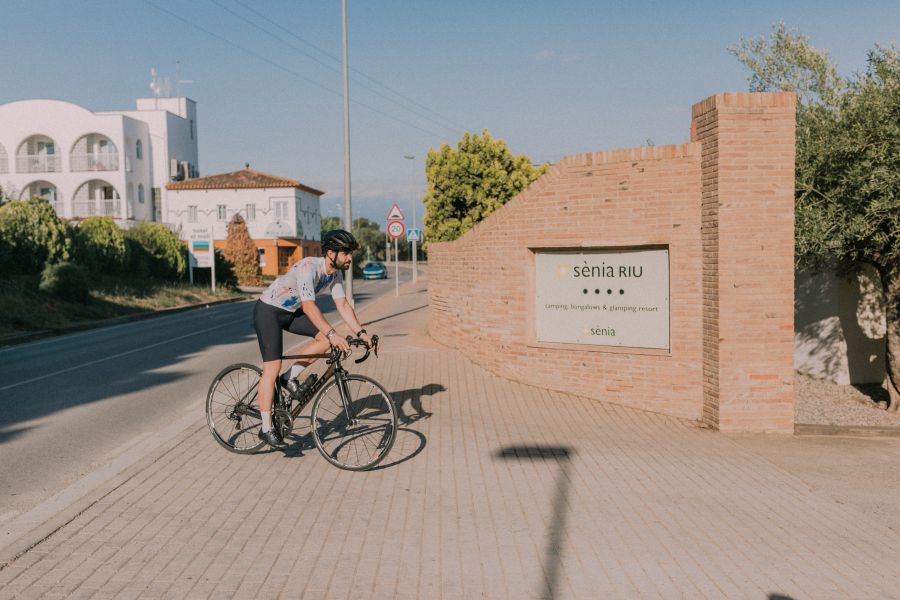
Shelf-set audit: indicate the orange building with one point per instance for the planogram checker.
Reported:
(282, 214)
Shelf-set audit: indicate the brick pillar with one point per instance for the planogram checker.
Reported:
(748, 259)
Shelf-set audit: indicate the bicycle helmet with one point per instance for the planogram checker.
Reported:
(339, 240)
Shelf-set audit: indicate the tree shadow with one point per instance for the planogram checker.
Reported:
(553, 550)
(838, 324)
(41, 378)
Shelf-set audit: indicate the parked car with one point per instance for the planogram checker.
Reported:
(374, 270)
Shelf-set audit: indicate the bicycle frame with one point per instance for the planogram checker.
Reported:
(335, 369)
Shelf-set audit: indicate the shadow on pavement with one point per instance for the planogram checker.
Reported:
(553, 551)
(386, 317)
(121, 370)
(414, 396)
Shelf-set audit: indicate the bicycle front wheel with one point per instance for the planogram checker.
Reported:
(357, 434)
(232, 408)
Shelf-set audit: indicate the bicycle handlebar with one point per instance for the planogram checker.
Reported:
(355, 342)
(358, 342)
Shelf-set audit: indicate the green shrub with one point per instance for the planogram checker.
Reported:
(100, 245)
(32, 235)
(65, 280)
(154, 250)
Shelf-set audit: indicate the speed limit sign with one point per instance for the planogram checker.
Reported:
(396, 229)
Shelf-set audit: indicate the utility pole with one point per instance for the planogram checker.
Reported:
(348, 214)
(415, 253)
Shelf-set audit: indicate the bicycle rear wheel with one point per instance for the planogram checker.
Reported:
(363, 440)
(232, 408)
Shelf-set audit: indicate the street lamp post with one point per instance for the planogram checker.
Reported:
(415, 253)
(348, 222)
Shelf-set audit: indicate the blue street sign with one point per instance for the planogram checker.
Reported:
(412, 235)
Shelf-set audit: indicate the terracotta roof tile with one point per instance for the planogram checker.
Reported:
(245, 178)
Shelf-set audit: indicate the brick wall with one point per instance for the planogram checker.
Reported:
(479, 285)
(748, 247)
(723, 205)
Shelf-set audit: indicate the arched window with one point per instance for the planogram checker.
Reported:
(139, 150)
(140, 193)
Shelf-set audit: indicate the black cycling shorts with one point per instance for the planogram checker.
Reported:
(269, 322)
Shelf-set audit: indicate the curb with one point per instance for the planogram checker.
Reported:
(803, 429)
(15, 339)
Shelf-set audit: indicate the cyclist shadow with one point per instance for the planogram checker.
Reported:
(414, 397)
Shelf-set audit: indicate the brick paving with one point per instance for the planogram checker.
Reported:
(494, 489)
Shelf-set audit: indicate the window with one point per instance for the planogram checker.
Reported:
(156, 208)
(192, 214)
(281, 210)
(140, 193)
(262, 256)
(251, 212)
(192, 129)
(220, 212)
(139, 150)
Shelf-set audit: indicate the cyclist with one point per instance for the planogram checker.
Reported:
(289, 303)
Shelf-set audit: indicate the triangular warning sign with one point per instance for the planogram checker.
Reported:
(396, 214)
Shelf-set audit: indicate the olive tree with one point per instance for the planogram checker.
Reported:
(847, 193)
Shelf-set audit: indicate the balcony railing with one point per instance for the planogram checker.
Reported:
(96, 208)
(94, 162)
(38, 163)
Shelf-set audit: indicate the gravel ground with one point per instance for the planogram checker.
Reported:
(824, 403)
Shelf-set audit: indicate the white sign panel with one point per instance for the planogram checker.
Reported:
(603, 297)
(200, 246)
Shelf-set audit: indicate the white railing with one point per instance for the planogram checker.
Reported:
(96, 208)
(94, 162)
(38, 163)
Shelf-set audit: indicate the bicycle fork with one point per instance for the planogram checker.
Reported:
(345, 399)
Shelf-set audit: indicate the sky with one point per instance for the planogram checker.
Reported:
(549, 78)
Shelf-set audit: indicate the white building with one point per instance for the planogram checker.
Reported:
(282, 215)
(86, 163)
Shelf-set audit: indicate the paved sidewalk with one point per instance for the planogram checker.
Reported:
(493, 490)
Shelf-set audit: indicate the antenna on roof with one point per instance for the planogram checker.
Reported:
(178, 78)
(161, 86)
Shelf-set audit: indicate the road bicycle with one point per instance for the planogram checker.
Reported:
(353, 420)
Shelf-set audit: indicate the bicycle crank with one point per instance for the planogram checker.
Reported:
(283, 422)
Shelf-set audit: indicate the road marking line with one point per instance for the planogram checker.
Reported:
(100, 360)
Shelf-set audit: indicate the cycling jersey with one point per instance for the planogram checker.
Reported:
(302, 282)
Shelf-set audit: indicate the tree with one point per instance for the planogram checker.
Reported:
(241, 252)
(468, 183)
(367, 233)
(847, 163)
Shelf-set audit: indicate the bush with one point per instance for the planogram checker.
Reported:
(154, 250)
(100, 245)
(32, 235)
(65, 280)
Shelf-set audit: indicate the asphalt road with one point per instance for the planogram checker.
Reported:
(72, 403)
